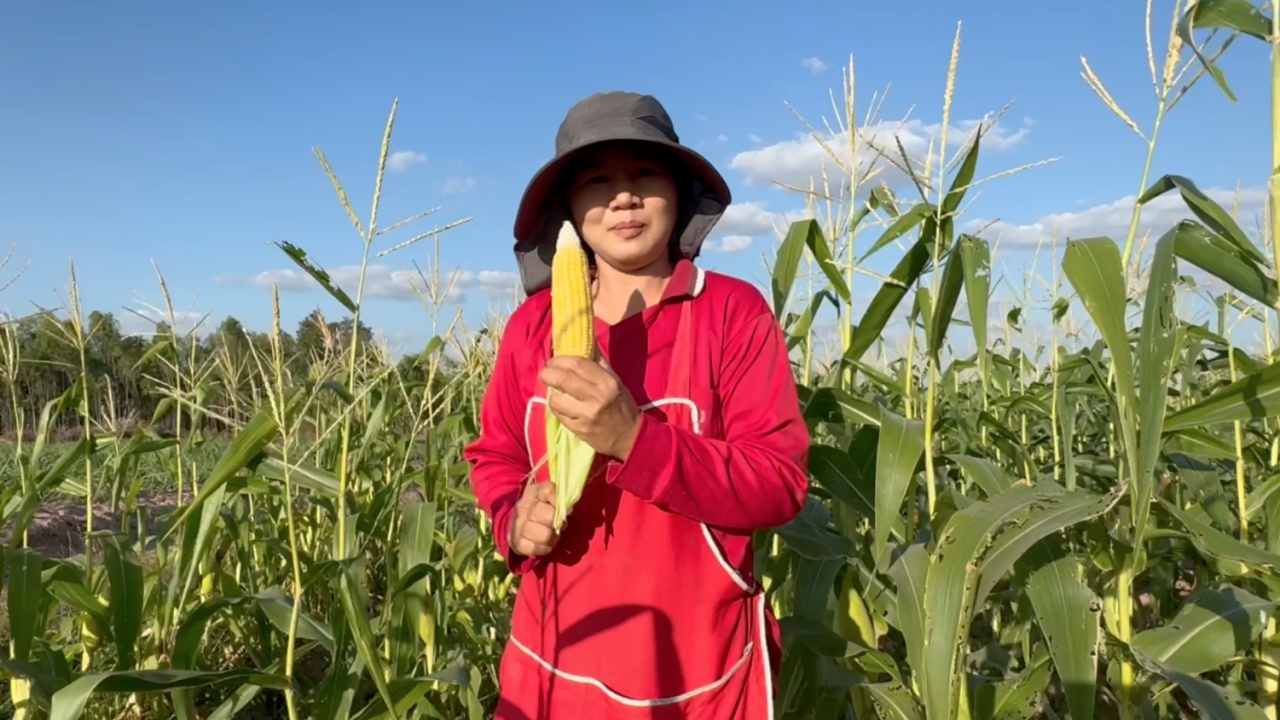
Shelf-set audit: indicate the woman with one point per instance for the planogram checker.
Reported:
(645, 605)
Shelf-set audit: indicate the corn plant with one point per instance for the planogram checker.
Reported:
(327, 562)
(992, 533)
(1088, 539)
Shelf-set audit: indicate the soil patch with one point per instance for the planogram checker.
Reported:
(57, 528)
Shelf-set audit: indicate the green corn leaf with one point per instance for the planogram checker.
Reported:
(1198, 443)
(886, 300)
(894, 701)
(1094, 269)
(1017, 697)
(251, 441)
(69, 702)
(1254, 396)
(407, 693)
(25, 596)
(1214, 626)
(898, 452)
(417, 616)
(901, 225)
(1068, 615)
(948, 295)
(21, 508)
(910, 573)
(834, 405)
(1209, 212)
(963, 177)
(809, 536)
(301, 474)
(1214, 254)
(1217, 545)
(816, 241)
(955, 575)
(1238, 15)
(799, 330)
(299, 258)
(787, 264)
(1258, 497)
(1156, 345)
(975, 256)
(569, 461)
(987, 475)
(1065, 510)
(124, 576)
(839, 475)
(1212, 700)
(351, 593)
(54, 409)
(191, 632)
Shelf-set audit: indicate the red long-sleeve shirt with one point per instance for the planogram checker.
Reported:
(735, 466)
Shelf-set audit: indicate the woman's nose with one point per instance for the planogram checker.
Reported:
(625, 198)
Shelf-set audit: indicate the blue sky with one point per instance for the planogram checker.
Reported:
(181, 133)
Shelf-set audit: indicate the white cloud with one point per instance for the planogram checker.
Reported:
(814, 65)
(454, 185)
(142, 321)
(491, 279)
(748, 218)
(1112, 219)
(743, 222)
(796, 161)
(404, 159)
(401, 342)
(731, 244)
(384, 282)
(722, 138)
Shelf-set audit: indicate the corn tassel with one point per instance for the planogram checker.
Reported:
(569, 458)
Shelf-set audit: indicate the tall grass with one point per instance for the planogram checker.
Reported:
(991, 534)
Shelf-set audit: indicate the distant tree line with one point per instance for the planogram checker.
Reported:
(129, 376)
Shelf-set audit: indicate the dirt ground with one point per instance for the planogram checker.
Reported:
(57, 529)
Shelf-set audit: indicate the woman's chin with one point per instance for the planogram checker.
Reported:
(643, 265)
(633, 257)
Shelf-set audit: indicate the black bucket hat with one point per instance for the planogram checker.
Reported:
(601, 118)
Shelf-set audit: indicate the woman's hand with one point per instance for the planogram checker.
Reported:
(593, 403)
(531, 532)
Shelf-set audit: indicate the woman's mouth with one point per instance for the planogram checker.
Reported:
(628, 229)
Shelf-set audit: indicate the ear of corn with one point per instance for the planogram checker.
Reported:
(569, 458)
(572, 318)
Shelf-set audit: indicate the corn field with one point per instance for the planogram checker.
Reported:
(1089, 530)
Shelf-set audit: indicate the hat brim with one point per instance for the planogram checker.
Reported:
(538, 219)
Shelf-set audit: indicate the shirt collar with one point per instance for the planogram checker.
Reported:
(684, 278)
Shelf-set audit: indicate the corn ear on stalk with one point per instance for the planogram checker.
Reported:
(569, 458)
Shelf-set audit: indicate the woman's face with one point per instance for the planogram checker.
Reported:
(624, 202)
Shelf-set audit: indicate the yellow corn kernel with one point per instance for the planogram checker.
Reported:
(572, 319)
(569, 458)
